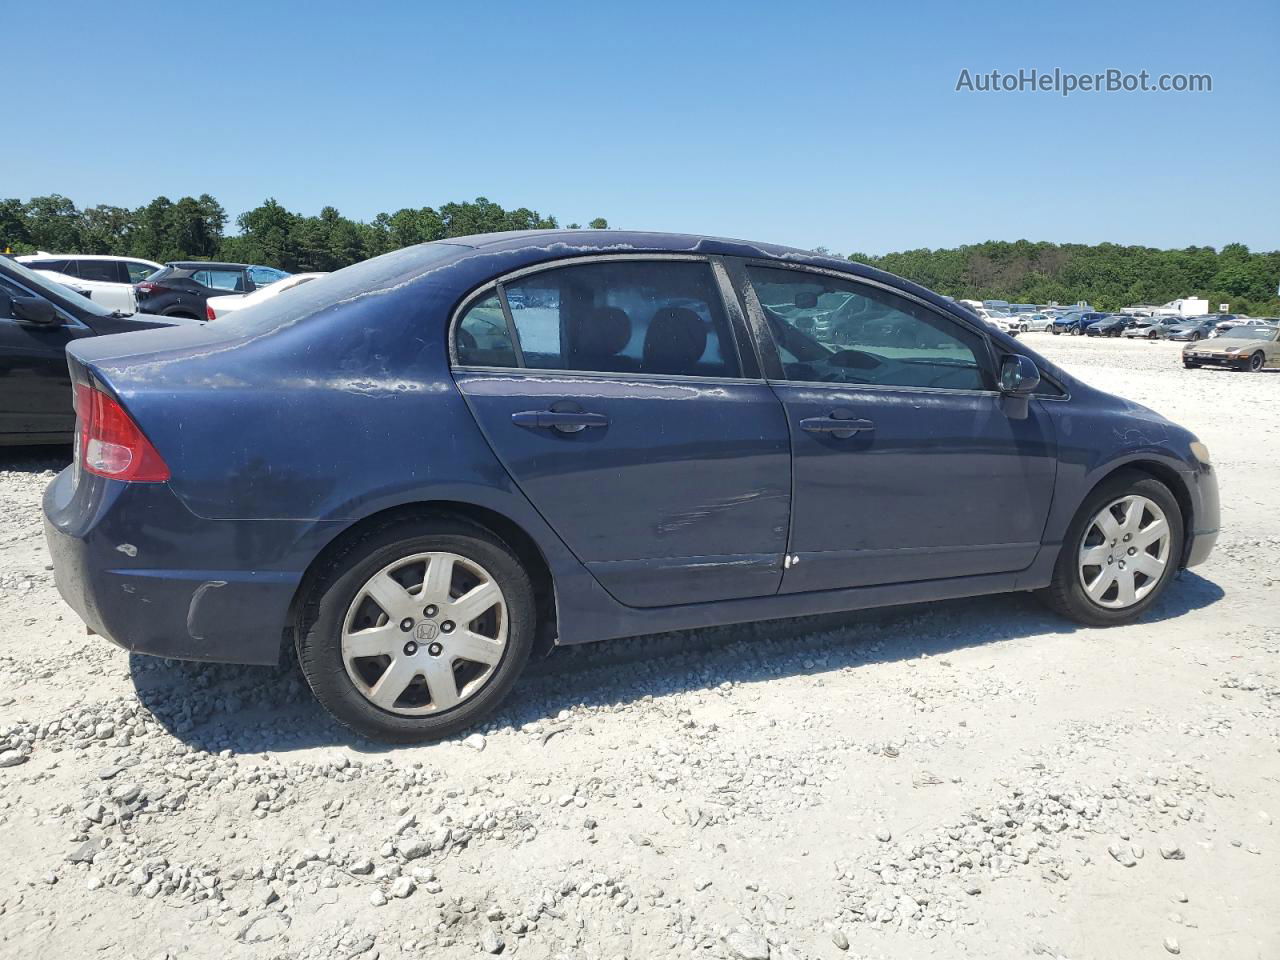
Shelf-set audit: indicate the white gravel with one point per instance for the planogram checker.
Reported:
(974, 779)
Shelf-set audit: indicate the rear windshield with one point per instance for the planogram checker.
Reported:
(368, 277)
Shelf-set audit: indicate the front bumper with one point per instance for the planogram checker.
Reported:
(1205, 516)
(150, 576)
(1212, 359)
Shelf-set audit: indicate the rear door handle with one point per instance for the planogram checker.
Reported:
(838, 427)
(566, 421)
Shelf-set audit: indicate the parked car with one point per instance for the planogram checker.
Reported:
(216, 307)
(1191, 328)
(182, 288)
(1248, 347)
(416, 486)
(38, 318)
(1075, 323)
(992, 316)
(1228, 320)
(1037, 322)
(108, 280)
(1110, 326)
(1152, 328)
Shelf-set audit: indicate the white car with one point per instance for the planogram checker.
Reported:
(1038, 322)
(220, 306)
(108, 280)
(993, 317)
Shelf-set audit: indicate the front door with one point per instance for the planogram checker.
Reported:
(620, 409)
(907, 466)
(35, 386)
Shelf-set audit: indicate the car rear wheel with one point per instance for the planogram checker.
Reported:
(417, 630)
(1120, 552)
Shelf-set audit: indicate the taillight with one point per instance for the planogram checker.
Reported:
(148, 287)
(110, 444)
(208, 313)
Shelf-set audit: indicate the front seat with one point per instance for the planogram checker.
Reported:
(675, 342)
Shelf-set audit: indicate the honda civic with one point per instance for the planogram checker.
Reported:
(416, 486)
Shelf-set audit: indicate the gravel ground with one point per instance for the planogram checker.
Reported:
(965, 779)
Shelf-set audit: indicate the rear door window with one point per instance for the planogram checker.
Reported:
(662, 317)
(106, 271)
(232, 281)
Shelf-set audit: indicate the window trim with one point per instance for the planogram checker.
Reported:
(735, 332)
(774, 372)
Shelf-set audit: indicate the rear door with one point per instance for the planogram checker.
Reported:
(614, 392)
(906, 465)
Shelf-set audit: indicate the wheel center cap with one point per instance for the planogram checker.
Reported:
(426, 630)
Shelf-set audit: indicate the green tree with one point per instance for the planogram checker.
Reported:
(599, 223)
(13, 226)
(53, 224)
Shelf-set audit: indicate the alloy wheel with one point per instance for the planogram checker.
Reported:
(1256, 361)
(425, 633)
(1125, 552)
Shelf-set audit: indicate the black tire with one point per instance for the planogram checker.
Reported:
(1256, 361)
(332, 591)
(1065, 595)
(1056, 331)
(1195, 335)
(1191, 364)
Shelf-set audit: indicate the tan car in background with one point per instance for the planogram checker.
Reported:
(1244, 347)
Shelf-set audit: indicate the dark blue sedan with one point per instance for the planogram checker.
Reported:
(416, 484)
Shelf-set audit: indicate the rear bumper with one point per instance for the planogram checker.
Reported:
(144, 572)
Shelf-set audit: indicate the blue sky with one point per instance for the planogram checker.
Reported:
(833, 124)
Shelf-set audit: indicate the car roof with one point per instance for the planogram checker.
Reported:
(205, 265)
(533, 247)
(43, 255)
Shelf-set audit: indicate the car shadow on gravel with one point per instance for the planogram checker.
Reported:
(243, 709)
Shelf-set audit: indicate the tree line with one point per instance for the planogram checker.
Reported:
(194, 228)
(1107, 275)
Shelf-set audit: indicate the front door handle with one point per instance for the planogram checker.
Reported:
(566, 421)
(839, 427)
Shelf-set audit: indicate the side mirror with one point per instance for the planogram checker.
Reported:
(1019, 376)
(34, 310)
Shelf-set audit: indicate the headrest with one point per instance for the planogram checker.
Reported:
(675, 341)
(604, 332)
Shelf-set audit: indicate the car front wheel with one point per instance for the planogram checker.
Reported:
(1121, 551)
(1255, 362)
(417, 629)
